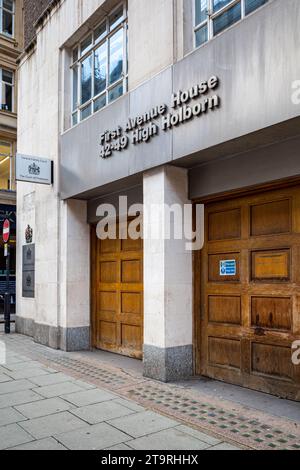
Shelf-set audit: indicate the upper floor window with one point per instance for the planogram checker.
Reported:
(7, 12)
(6, 89)
(99, 66)
(213, 16)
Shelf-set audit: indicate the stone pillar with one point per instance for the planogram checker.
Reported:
(168, 278)
(74, 318)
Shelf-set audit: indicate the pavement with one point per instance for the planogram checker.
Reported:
(53, 400)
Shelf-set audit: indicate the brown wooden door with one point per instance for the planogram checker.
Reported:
(250, 292)
(117, 295)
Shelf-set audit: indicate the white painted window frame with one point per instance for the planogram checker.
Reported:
(13, 12)
(12, 85)
(91, 51)
(211, 16)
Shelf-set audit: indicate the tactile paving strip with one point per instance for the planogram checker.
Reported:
(218, 417)
(221, 418)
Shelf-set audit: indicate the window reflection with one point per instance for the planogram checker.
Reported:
(116, 57)
(86, 79)
(100, 69)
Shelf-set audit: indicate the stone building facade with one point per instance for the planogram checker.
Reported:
(166, 102)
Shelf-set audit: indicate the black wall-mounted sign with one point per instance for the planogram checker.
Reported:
(28, 270)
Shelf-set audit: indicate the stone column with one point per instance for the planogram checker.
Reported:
(168, 277)
(74, 318)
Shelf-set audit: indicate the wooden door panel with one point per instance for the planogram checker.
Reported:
(118, 293)
(249, 319)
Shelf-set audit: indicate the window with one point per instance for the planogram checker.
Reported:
(214, 16)
(99, 66)
(6, 89)
(7, 13)
(7, 178)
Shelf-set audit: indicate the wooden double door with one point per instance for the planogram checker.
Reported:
(117, 295)
(249, 297)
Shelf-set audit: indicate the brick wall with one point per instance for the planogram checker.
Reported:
(32, 12)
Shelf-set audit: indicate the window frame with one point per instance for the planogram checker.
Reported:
(12, 85)
(211, 16)
(13, 13)
(76, 112)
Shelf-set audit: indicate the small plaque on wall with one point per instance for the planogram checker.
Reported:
(28, 271)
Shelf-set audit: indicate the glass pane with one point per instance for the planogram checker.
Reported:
(100, 103)
(75, 88)
(116, 18)
(115, 92)
(100, 32)
(227, 18)
(201, 11)
(218, 4)
(86, 112)
(100, 69)
(7, 76)
(116, 56)
(75, 119)
(201, 36)
(7, 23)
(251, 5)
(8, 97)
(8, 5)
(86, 79)
(86, 44)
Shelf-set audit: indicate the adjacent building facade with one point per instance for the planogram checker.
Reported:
(165, 102)
(11, 46)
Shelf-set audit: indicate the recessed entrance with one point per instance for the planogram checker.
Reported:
(250, 292)
(117, 295)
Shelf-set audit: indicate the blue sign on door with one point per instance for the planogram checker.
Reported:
(228, 267)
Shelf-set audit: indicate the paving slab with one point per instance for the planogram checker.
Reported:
(84, 385)
(28, 373)
(224, 446)
(199, 435)
(10, 359)
(97, 437)
(169, 439)
(44, 407)
(119, 447)
(4, 378)
(50, 379)
(13, 435)
(15, 386)
(13, 367)
(142, 424)
(94, 414)
(56, 390)
(18, 398)
(89, 397)
(42, 444)
(129, 404)
(10, 416)
(50, 425)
